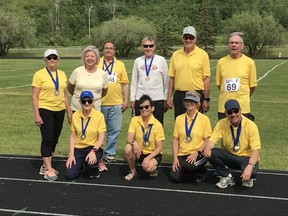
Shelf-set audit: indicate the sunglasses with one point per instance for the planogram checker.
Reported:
(188, 38)
(142, 107)
(85, 101)
(229, 112)
(148, 45)
(52, 57)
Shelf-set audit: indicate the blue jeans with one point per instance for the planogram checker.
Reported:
(113, 118)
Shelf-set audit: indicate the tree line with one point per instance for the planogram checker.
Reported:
(38, 23)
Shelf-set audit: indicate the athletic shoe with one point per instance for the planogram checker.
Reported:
(154, 173)
(226, 181)
(94, 174)
(43, 170)
(110, 158)
(102, 167)
(50, 177)
(248, 183)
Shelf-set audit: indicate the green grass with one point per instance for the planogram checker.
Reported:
(20, 136)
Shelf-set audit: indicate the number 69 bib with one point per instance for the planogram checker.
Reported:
(232, 84)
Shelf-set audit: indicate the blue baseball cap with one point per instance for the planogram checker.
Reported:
(231, 104)
(88, 94)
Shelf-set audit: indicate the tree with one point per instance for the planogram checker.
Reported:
(17, 30)
(126, 33)
(259, 30)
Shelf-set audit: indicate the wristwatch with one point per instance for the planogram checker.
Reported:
(207, 99)
(95, 150)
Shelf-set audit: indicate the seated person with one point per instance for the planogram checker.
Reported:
(144, 140)
(191, 129)
(240, 147)
(86, 139)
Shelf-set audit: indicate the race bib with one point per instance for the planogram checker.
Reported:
(232, 84)
(112, 78)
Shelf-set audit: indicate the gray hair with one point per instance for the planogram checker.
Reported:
(87, 49)
(148, 38)
(240, 34)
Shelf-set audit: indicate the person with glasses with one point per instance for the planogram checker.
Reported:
(114, 103)
(240, 147)
(189, 69)
(191, 130)
(88, 77)
(144, 140)
(236, 76)
(150, 76)
(87, 136)
(50, 100)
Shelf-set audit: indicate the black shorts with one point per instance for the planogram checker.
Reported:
(158, 158)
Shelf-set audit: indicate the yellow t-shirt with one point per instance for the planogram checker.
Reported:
(47, 98)
(157, 133)
(117, 77)
(249, 137)
(235, 77)
(200, 130)
(189, 70)
(95, 126)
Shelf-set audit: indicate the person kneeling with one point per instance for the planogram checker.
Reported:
(86, 139)
(144, 140)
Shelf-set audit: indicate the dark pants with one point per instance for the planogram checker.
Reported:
(222, 160)
(158, 111)
(178, 97)
(187, 168)
(248, 115)
(80, 155)
(50, 130)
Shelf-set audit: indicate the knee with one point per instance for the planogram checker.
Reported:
(71, 175)
(128, 150)
(175, 177)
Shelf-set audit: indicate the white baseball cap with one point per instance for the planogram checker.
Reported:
(49, 52)
(189, 30)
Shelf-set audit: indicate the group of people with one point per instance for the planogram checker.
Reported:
(100, 95)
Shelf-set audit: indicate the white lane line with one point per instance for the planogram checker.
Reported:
(262, 77)
(33, 212)
(149, 189)
(11, 87)
(6, 77)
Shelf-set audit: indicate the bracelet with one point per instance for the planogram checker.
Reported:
(253, 165)
(94, 150)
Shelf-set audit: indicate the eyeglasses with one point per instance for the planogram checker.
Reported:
(188, 38)
(52, 57)
(148, 45)
(142, 107)
(85, 101)
(229, 112)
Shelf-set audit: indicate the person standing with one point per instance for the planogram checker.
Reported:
(88, 77)
(189, 69)
(236, 76)
(50, 100)
(191, 130)
(150, 76)
(240, 147)
(114, 103)
(86, 139)
(144, 140)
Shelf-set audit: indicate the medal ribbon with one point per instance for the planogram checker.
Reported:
(147, 134)
(108, 66)
(188, 130)
(149, 68)
(82, 124)
(56, 82)
(236, 140)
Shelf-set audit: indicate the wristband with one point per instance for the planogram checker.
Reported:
(94, 150)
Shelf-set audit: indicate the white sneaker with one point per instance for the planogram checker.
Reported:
(102, 167)
(226, 181)
(42, 171)
(248, 183)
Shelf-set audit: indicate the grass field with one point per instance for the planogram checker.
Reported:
(20, 136)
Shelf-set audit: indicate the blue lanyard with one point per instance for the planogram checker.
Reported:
(84, 127)
(147, 134)
(236, 140)
(148, 68)
(56, 82)
(188, 130)
(108, 66)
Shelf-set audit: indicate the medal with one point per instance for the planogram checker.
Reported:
(236, 148)
(147, 78)
(83, 136)
(146, 135)
(188, 139)
(56, 93)
(146, 144)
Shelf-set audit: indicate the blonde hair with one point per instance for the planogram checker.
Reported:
(87, 49)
